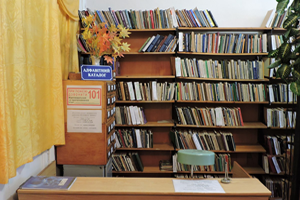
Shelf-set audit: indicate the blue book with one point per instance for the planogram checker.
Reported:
(195, 18)
(203, 43)
(128, 19)
(153, 43)
(200, 18)
(198, 67)
(254, 70)
(191, 18)
(113, 17)
(166, 43)
(101, 19)
(162, 19)
(48, 183)
(228, 45)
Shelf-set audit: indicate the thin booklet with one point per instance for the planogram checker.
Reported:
(49, 183)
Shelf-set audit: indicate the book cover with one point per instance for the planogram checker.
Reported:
(48, 183)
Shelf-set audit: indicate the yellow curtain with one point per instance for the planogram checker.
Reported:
(31, 69)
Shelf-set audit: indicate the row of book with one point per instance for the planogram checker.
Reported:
(199, 176)
(151, 91)
(273, 164)
(218, 166)
(130, 115)
(274, 144)
(134, 138)
(222, 69)
(276, 41)
(222, 91)
(280, 118)
(276, 185)
(281, 92)
(273, 19)
(152, 19)
(127, 162)
(222, 43)
(219, 116)
(160, 43)
(203, 140)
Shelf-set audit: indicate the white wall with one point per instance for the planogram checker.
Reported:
(8, 191)
(228, 13)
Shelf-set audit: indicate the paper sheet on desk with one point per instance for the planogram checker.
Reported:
(198, 186)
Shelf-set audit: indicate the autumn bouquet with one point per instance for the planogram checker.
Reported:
(105, 41)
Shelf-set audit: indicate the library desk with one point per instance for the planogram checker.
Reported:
(145, 188)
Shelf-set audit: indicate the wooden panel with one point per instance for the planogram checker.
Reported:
(150, 65)
(152, 158)
(244, 137)
(238, 171)
(157, 112)
(83, 149)
(50, 170)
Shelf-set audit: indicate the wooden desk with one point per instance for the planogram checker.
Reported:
(145, 189)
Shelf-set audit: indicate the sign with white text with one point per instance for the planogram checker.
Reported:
(96, 72)
(86, 121)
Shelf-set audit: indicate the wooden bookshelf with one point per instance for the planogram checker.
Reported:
(148, 124)
(242, 29)
(148, 53)
(222, 102)
(222, 79)
(145, 77)
(254, 170)
(223, 54)
(247, 125)
(134, 102)
(242, 149)
(152, 30)
(156, 147)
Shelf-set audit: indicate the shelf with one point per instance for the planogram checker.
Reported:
(156, 147)
(223, 79)
(278, 128)
(149, 53)
(145, 101)
(224, 29)
(254, 170)
(144, 77)
(148, 124)
(242, 149)
(152, 30)
(283, 103)
(156, 170)
(247, 125)
(223, 54)
(223, 102)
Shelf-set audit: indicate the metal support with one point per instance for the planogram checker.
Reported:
(226, 179)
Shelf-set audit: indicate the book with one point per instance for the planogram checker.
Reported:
(48, 183)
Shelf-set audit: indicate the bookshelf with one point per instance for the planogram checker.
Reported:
(158, 66)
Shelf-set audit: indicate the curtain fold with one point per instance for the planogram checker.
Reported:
(36, 52)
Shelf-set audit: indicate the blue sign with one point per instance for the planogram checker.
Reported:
(96, 72)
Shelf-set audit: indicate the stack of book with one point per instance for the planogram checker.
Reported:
(218, 166)
(203, 140)
(280, 117)
(151, 91)
(134, 138)
(160, 43)
(152, 19)
(130, 115)
(165, 165)
(222, 43)
(276, 185)
(222, 91)
(81, 44)
(219, 116)
(127, 162)
(222, 69)
(281, 92)
(198, 176)
(274, 164)
(273, 19)
(276, 41)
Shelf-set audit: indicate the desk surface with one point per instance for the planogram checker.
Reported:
(137, 187)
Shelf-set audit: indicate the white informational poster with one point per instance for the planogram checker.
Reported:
(88, 96)
(86, 121)
(198, 186)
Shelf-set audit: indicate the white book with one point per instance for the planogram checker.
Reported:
(271, 94)
(174, 20)
(148, 44)
(154, 91)
(268, 24)
(137, 91)
(276, 165)
(177, 67)
(137, 115)
(133, 119)
(196, 142)
(138, 138)
(174, 159)
(290, 93)
(180, 40)
(219, 117)
(131, 91)
(269, 117)
(118, 143)
(128, 115)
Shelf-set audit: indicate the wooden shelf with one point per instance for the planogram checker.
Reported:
(223, 102)
(223, 54)
(283, 103)
(145, 77)
(254, 170)
(224, 29)
(147, 170)
(148, 124)
(247, 125)
(152, 30)
(149, 53)
(145, 101)
(222, 79)
(156, 147)
(242, 149)
(202, 172)
(278, 128)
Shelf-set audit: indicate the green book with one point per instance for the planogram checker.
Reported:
(234, 92)
(206, 67)
(139, 162)
(140, 50)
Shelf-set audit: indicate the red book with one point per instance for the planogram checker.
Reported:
(242, 122)
(121, 136)
(271, 164)
(152, 21)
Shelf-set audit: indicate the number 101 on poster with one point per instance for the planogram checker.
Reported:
(84, 96)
